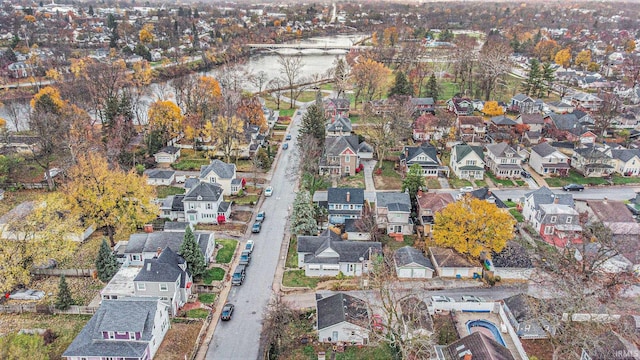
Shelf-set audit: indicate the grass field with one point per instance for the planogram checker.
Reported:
(225, 254)
(198, 313)
(517, 215)
(213, 274)
(296, 278)
(292, 254)
(574, 178)
(207, 298)
(163, 191)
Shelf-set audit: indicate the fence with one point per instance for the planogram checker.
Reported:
(65, 272)
(46, 309)
(201, 336)
(36, 185)
(208, 289)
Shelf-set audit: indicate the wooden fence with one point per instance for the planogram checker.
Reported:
(46, 309)
(65, 272)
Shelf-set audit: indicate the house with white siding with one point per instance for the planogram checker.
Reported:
(205, 203)
(411, 263)
(547, 160)
(223, 174)
(626, 161)
(342, 318)
(393, 212)
(167, 155)
(467, 162)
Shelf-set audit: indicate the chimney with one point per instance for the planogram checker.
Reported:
(419, 193)
(158, 252)
(556, 200)
(604, 201)
(148, 228)
(467, 356)
(348, 196)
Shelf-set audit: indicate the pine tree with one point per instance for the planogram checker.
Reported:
(532, 85)
(303, 220)
(433, 90)
(313, 123)
(548, 77)
(91, 10)
(402, 86)
(64, 300)
(190, 251)
(106, 263)
(413, 182)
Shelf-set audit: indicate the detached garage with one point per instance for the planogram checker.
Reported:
(412, 264)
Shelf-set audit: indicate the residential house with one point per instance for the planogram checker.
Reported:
(344, 203)
(256, 137)
(616, 216)
(523, 104)
(585, 101)
(393, 212)
(626, 162)
(121, 284)
(425, 128)
(145, 246)
(569, 127)
(477, 345)
(355, 229)
(547, 160)
(558, 224)
(460, 106)
(467, 162)
(172, 208)
(532, 137)
(423, 105)
(503, 160)
(336, 107)
(165, 276)
(340, 155)
(605, 259)
(160, 177)
(591, 162)
(471, 129)
(205, 204)
(167, 155)
(449, 263)
(412, 264)
(428, 205)
(426, 156)
(223, 174)
(341, 126)
(610, 345)
(125, 328)
(533, 200)
(534, 121)
(559, 107)
(485, 194)
(342, 318)
(328, 255)
(502, 122)
(520, 309)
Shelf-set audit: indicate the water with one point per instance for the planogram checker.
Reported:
(315, 62)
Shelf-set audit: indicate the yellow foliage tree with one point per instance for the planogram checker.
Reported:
(546, 49)
(225, 134)
(30, 18)
(563, 58)
(146, 34)
(371, 79)
(472, 227)
(142, 73)
(48, 99)
(390, 36)
(46, 231)
(491, 108)
(53, 74)
(166, 118)
(583, 59)
(113, 199)
(630, 46)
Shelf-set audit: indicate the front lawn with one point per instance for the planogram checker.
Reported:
(355, 181)
(292, 254)
(247, 199)
(213, 274)
(197, 313)
(621, 180)
(296, 278)
(380, 352)
(179, 341)
(207, 298)
(432, 183)
(503, 182)
(225, 254)
(574, 178)
(189, 164)
(307, 96)
(517, 215)
(510, 203)
(457, 183)
(163, 191)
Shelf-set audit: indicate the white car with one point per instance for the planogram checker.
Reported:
(268, 191)
(471, 298)
(466, 189)
(441, 298)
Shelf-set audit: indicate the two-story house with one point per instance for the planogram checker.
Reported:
(340, 126)
(425, 128)
(523, 104)
(428, 205)
(626, 162)
(130, 328)
(558, 224)
(205, 203)
(340, 155)
(223, 174)
(328, 255)
(344, 203)
(460, 106)
(534, 121)
(172, 208)
(165, 276)
(467, 162)
(533, 199)
(471, 129)
(503, 160)
(336, 107)
(591, 162)
(584, 100)
(547, 160)
(423, 105)
(143, 246)
(393, 212)
(426, 156)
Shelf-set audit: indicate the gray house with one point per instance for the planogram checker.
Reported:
(342, 318)
(223, 174)
(165, 276)
(344, 203)
(519, 310)
(145, 245)
(427, 157)
(393, 212)
(160, 177)
(328, 255)
(412, 264)
(341, 126)
(124, 329)
(172, 208)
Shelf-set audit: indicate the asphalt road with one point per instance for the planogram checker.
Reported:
(590, 193)
(239, 338)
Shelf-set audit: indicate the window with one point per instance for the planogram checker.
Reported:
(135, 257)
(132, 336)
(548, 230)
(503, 161)
(347, 158)
(470, 162)
(347, 170)
(141, 286)
(569, 220)
(212, 179)
(208, 205)
(553, 219)
(111, 335)
(164, 287)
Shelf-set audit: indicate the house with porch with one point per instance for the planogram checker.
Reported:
(423, 105)
(143, 246)
(344, 203)
(460, 106)
(428, 205)
(167, 155)
(340, 155)
(547, 160)
(342, 318)
(503, 160)
(328, 255)
(204, 204)
(340, 126)
(523, 104)
(471, 129)
(425, 128)
(591, 162)
(467, 162)
(534, 121)
(223, 174)
(426, 156)
(393, 212)
(533, 199)
(336, 107)
(626, 162)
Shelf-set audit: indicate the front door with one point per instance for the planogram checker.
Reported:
(334, 336)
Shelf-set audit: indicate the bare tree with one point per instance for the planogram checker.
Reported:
(607, 112)
(259, 80)
(291, 67)
(463, 57)
(274, 340)
(275, 86)
(493, 62)
(340, 76)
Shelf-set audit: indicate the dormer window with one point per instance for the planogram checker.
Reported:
(199, 197)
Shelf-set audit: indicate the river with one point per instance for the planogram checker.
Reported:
(314, 62)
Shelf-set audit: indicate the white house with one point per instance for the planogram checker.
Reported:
(547, 160)
(626, 161)
(223, 174)
(467, 162)
(205, 203)
(393, 212)
(144, 246)
(342, 318)
(160, 177)
(412, 264)
(167, 155)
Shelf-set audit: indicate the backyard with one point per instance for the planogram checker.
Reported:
(163, 191)
(355, 181)
(180, 340)
(296, 278)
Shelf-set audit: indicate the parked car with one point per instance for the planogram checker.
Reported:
(257, 226)
(27, 294)
(227, 311)
(249, 246)
(466, 189)
(245, 258)
(288, 137)
(260, 216)
(573, 187)
(285, 146)
(471, 298)
(239, 275)
(525, 174)
(268, 191)
(441, 298)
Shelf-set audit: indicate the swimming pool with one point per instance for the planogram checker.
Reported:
(487, 327)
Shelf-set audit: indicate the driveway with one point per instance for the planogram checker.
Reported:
(369, 165)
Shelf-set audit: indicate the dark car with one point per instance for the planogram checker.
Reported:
(227, 311)
(239, 275)
(257, 226)
(573, 187)
(525, 174)
(245, 258)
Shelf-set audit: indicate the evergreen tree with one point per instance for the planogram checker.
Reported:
(90, 10)
(413, 182)
(532, 85)
(106, 263)
(190, 251)
(303, 220)
(313, 123)
(433, 90)
(402, 86)
(196, 14)
(548, 78)
(64, 299)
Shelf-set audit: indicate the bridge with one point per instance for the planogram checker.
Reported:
(300, 47)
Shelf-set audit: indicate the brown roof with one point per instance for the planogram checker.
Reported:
(532, 119)
(480, 346)
(445, 257)
(434, 201)
(611, 211)
(471, 120)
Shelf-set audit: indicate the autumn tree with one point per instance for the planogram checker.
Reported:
(583, 59)
(546, 50)
(117, 201)
(190, 251)
(607, 112)
(630, 46)
(303, 220)
(199, 97)
(370, 79)
(106, 262)
(250, 111)
(563, 58)
(166, 118)
(146, 34)
(227, 132)
(291, 67)
(493, 62)
(473, 227)
(491, 108)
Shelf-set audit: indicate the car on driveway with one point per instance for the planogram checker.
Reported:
(441, 299)
(257, 226)
(466, 189)
(525, 174)
(227, 311)
(471, 298)
(268, 191)
(573, 187)
(260, 216)
(249, 246)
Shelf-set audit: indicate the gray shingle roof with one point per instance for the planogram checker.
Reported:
(394, 201)
(341, 307)
(412, 152)
(164, 268)
(191, 182)
(131, 315)
(486, 194)
(482, 346)
(335, 145)
(339, 196)
(520, 306)
(340, 124)
(150, 242)
(409, 255)
(220, 168)
(348, 251)
(531, 119)
(169, 150)
(422, 101)
(502, 149)
(503, 120)
(545, 196)
(544, 149)
(160, 174)
(591, 152)
(204, 192)
(625, 154)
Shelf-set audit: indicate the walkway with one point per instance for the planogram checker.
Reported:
(444, 183)
(369, 166)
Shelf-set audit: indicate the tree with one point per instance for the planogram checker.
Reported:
(90, 12)
(401, 86)
(491, 108)
(630, 46)
(313, 123)
(259, 80)
(413, 182)
(534, 80)
(340, 76)
(190, 251)
(463, 59)
(166, 118)
(227, 131)
(64, 299)
(563, 58)
(250, 111)
(291, 67)
(370, 78)
(303, 220)
(493, 62)
(146, 34)
(473, 227)
(606, 113)
(583, 59)
(433, 89)
(115, 200)
(548, 77)
(106, 263)
(546, 50)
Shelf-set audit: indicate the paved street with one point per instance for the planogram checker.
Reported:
(590, 193)
(239, 338)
